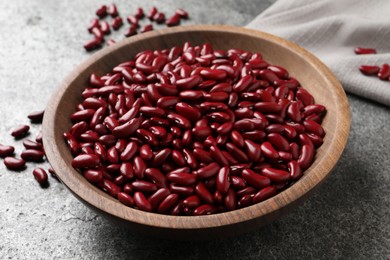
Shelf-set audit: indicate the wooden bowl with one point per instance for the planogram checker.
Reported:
(312, 74)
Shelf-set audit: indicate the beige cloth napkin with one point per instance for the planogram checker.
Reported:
(331, 29)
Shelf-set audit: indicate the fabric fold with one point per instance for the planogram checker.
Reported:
(331, 30)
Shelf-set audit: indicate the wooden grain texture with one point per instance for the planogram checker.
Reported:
(312, 74)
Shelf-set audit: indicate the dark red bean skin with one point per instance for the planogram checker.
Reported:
(40, 176)
(144, 186)
(85, 161)
(36, 117)
(269, 151)
(6, 150)
(139, 167)
(369, 70)
(192, 201)
(32, 155)
(203, 193)
(173, 20)
(20, 131)
(255, 179)
(156, 198)
(141, 202)
(208, 171)
(102, 11)
(157, 177)
(306, 156)
(182, 13)
(168, 203)
(93, 176)
(222, 180)
(125, 199)
(384, 72)
(204, 210)
(264, 194)
(361, 50)
(14, 164)
(275, 174)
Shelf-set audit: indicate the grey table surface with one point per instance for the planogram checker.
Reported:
(41, 42)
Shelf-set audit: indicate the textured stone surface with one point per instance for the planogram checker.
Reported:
(41, 41)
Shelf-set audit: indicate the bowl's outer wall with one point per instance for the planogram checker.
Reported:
(312, 74)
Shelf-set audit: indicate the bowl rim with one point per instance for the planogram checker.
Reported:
(262, 209)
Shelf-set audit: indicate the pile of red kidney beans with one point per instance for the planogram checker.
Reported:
(382, 72)
(192, 131)
(100, 27)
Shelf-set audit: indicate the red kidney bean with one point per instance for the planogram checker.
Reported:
(179, 120)
(14, 164)
(159, 17)
(156, 198)
(161, 156)
(102, 11)
(7, 150)
(246, 191)
(112, 155)
(254, 179)
(144, 186)
(237, 153)
(217, 155)
(369, 70)
(275, 174)
(222, 179)
(29, 144)
(168, 203)
(113, 10)
(116, 23)
(125, 199)
(255, 136)
(141, 202)
(32, 155)
(146, 28)
(182, 178)
(203, 193)
(264, 194)
(361, 50)
(192, 201)
(204, 210)
(153, 11)
(157, 177)
(110, 187)
(173, 20)
(126, 170)
(253, 150)
(139, 167)
(279, 71)
(313, 127)
(93, 176)
(188, 111)
(269, 151)
(40, 176)
(127, 129)
(184, 14)
(20, 131)
(305, 97)
(36, 116)
(208, 171)
(294, 169)
(243, 84)
(230, 200)
(132, 30)
(268, 75)
(384, 72)
(306, 156)
(278, 141)
(86, 161)
(129, 152)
